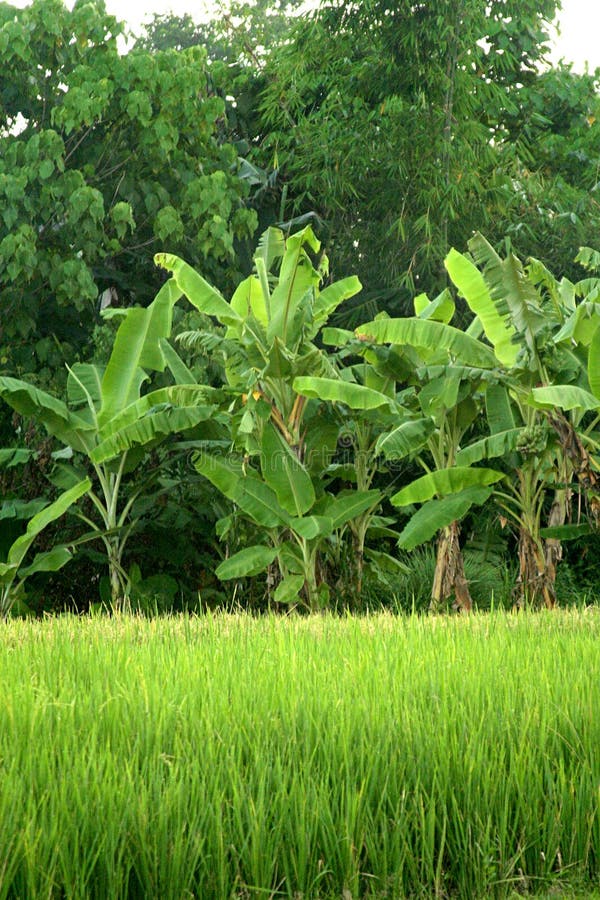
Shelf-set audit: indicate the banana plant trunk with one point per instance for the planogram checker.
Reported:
(449, 577)
(536, 582)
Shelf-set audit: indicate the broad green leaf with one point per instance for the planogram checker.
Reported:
(356, 396)
(287, 590)
(511, 288)
(432, 336)
(437, 514)
(336, 337)
(84, 386)
(283, 471)
(199, 292)
(150, 429)
(52, 413)
(330, 297)
(344, 508)
(564, 396)
(444, 482)
(50, 561)
(248, 300)
(281, 361)
(594, 363)
(138, 345)
(297, 280)
(441, 309)
(406, 439)
(498, 409)
(49, 514)
(309, 527)
(21, 509)
(386, 561)
(463, 373)
(420, 303)
(225, 474)
(473, 287)
(250, 561)
(180, 372)
(290, 558)
(259, 501)
(8, 572)
(178, 395)
(15, 456)
(440, 395)
(271, 247)
(498, 444)
(567, 532)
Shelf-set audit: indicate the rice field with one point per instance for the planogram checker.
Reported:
(303, 758)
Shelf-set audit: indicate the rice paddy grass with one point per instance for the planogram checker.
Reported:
(303, 758)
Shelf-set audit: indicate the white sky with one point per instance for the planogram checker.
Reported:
(579, 41)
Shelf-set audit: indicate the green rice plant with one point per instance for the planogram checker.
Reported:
(317, 757)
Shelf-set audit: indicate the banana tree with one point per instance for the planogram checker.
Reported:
(367, 405)
(448, 370)
(269, 325)
(536, 330)
(112, 425)
(292, 521)
(266, 341)
(12, 572)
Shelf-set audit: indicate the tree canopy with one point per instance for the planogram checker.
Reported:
(105, 157)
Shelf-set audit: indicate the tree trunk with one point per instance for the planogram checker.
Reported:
(449, 578)
(536, 582)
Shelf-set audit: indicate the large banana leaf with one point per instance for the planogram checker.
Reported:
(178, 395)
(199, 292)
(344, 507)
(84, 386)
(498, 409)
(356, 396)
(309, 527)
(443, 482)
(336, 337)
(567, 532)
(150, 429)
(180, 372)
(298, 279)
(138, 345)
(288, 589)
(48, 561)
(249, 300)
(441, 309)
(473, 287)
(259, 502)
(594, 363)
(437, 514)
(463, 373)
(283, 471)
(52, 413)
(510, 287)
(498, 444)
(429, 335)
(250, 561)
(37, 524)
(564, 396)
(406, 439)
(225, 474)
(255, 498)
(271, 247)
(330, 298)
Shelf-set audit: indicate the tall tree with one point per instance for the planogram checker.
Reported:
(104, 158)
(388, 118)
